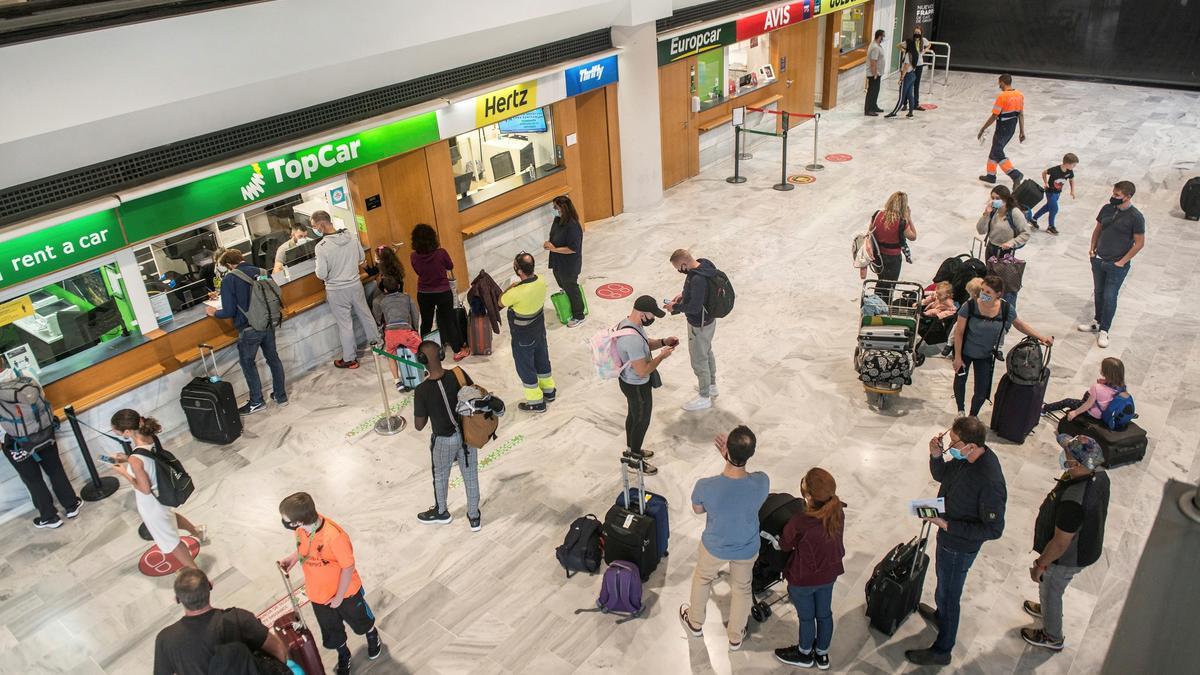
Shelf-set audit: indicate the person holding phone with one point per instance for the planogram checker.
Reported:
(639, 377)
(972, 485)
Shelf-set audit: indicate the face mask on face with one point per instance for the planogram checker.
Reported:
(682, 270)
(957, 453)
(647, 321)
(986, 297)
(287, 524)
(317, 233)
(1062, 459)
(997, 203)
(1116, 201)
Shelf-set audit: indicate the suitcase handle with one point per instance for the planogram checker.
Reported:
(212, 353)
(641, 486)
(926, 527)
(287, 583)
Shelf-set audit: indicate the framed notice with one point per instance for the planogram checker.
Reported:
(21, 358)
(739, 116)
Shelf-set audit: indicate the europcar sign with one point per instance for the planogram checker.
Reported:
(696, 42)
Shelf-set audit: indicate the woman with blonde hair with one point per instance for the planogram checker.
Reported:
(891, 228)
(813, 538)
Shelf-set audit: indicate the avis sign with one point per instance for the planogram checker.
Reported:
(696, 42)
(775, 18)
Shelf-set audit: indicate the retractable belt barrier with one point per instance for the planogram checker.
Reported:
(99, 487)
(738, 129)
(388, 424)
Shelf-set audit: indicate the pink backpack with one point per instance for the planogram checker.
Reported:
(605, 357)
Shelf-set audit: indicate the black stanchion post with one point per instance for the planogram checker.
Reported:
(737, 177)
(783, 185)
(100, 487)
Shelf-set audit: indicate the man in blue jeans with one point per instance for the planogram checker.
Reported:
(1119, 235)
(235, 302)
(972, 486)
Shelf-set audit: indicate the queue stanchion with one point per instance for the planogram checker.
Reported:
(783, 185)
(737, 177)
(816, 165)
(388, 424)
(100, 486)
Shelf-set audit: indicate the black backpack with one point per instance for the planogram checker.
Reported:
(718, 301)
(582, 549)
(1026, 363)
(174, 482)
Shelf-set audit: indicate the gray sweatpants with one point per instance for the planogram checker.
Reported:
(346, 305)
(1054, 584)
(446, 450)
(704, 364)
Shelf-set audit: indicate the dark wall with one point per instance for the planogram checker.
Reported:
(1134, 41)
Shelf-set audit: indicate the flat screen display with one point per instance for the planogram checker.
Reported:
(532, 122)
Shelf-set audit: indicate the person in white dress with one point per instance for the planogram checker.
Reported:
(142, 474)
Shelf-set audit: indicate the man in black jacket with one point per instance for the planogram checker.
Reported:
(972, 485)
(1068, 534)
(701, 326)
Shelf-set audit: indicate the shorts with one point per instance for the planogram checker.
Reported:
(400, 337)
(353, 611)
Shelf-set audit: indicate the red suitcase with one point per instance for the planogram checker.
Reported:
(480, 335)
(302, 647)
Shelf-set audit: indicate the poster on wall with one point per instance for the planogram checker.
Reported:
(337, 197)
(919, 13)
(21, 359)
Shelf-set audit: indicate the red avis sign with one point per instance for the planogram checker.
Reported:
(775, 18)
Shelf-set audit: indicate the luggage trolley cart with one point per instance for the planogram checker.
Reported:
(886, 352)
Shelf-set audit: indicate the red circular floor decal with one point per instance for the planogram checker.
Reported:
(928, 106)
(154, 564)
(802, 179)
(838, 157)
(614, 291)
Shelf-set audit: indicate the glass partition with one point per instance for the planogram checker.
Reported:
(492, 160)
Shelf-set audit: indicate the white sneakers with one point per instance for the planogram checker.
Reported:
(1102, 339)
(1094, 327)
(712, 391)
(698, 403)
(1089, 327)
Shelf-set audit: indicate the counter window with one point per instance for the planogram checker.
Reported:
(492, 160)
(740, 69)
(68, 318)
(853, 29)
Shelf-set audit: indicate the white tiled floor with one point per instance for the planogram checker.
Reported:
(450, 601)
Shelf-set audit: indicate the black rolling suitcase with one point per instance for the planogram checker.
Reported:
(1016, 408)
(1029, 193)
(1124, 446)
(1189, 199)
(894, 589)
(632, 535)
(210, 405)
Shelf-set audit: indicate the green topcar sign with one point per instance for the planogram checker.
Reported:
(154, 214)
(59, 246)
(683, 46)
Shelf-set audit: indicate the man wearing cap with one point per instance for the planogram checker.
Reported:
(639, 377)
(1068, 534)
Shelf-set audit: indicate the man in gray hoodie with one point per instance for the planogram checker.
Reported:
(339, 256)
(701, 326)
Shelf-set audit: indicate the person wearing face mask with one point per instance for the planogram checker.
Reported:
(326, 557)
(526, 301)
(1008, 113)
(973, 488)
(1003, 223)
(193, 645)
(702, 327)
(921, 46)
(1119, 235)
(978, 332)
(908, 60)
(1068, 534)
(639, 376)
(565, 244)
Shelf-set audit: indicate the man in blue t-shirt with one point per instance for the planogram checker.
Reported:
(731, 500)
(1119, 235)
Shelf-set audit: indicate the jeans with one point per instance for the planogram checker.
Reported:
(440, 304)
(983, 382)
(704, 364)
(1106, 281)
(249, 342)
(347, 305)
(1050, 593)
(872, 103)
(916, 95)
(906, 93)
(444, 451)
(741, 573)
(814, 606)
(531, 355)
(1050, 207)
(952, 568)
(31, 469)
(639, 400)
(1066, 404)
(569, 283)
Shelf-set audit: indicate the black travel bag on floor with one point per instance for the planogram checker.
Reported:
(632, 535)
(894, 589)
(210, 405)
(1189, 199)
(1125, 446)
(1029, 193)
(1016, 408)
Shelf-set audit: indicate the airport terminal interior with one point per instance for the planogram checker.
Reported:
(616, 116)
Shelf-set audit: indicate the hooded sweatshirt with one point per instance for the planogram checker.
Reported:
(695, 292)
(338, 258)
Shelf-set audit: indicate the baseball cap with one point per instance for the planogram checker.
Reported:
(1082, 449)
(645, 303)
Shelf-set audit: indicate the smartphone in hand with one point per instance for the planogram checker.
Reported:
(107, 459)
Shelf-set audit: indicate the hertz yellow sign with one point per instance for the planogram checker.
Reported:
(830, 6)
(504, 103)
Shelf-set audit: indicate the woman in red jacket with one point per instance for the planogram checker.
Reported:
(814, 538)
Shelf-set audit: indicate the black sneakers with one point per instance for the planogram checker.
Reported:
(476, 522)
(988, 178)
(645, 454)
(794, 657)
(433, 517)
(251, 408)
(927, 657)
(1038, 638)
(74, 510)
(1032, 608)
(823, 659)
(928, 613)
(549, 395)
(47, 523)
(539, 407)
(374, 646)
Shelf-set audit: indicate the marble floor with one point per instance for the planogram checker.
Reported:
(449, 601)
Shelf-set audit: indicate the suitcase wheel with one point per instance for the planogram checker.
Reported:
(761, 611)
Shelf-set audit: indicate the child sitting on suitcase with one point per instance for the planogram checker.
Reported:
(1054, 179)
(398, 317)
(1097, 398)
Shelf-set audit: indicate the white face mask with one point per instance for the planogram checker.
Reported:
(1062, 459)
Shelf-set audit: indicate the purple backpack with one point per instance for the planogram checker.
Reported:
(621, 589)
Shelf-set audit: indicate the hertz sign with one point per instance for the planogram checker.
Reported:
(504, 103)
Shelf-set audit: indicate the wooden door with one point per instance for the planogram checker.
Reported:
(798, 45)
(680, 142)
(591, 113)
(407, 200)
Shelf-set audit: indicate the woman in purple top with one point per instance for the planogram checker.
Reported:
(434, 295)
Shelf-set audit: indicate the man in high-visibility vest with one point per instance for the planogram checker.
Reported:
(1008, 113)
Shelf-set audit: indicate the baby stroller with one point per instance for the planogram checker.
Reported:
(773, 516)
(886, 355)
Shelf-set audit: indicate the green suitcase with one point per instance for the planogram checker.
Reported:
(562, 304)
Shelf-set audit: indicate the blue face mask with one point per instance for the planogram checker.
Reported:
(997, 203)
(957, 454)
(985, 297)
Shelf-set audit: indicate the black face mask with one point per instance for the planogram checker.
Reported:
(683, 271)
(647, 322)
(1116, 201)
(289, 525)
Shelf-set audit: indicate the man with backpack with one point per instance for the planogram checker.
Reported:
(253, 302)
(1068, 534)
(207, 636)
(706, 297)
(28, 425)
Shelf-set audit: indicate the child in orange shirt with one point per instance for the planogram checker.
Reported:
(326, 556)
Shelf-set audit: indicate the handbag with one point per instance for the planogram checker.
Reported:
(1009, 268)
